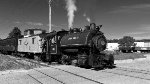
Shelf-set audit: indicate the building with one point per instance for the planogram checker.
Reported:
(112, 46)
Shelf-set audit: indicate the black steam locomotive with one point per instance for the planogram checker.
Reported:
(79, 47)
(84, 48)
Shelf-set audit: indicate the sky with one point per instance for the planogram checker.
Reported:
(118, 17)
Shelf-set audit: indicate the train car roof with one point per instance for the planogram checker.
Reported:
(41, 35)
(33, 29)
(8, 38)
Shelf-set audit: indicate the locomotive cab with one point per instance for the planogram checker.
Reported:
(52, 48)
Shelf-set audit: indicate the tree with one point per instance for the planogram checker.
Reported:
(15, 33)
(143, 40)
(126, 43)
(112, 40)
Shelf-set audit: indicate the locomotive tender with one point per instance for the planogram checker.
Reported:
(80, 47)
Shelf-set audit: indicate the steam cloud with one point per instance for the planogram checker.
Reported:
(87, 18)
(71, 8)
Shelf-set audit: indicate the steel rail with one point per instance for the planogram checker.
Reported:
(50, 76)
(35, 79)
(134, 70)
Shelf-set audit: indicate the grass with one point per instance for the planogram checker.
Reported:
(8, 63)
(124, 56)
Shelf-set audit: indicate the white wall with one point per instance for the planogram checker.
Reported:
(27, 45)
(112, 46)
(139, 44)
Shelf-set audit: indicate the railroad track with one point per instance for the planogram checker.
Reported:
(35, 79)
(128, 72)
(134, 70)
(40, 82)
(73, 75)
(60, 70)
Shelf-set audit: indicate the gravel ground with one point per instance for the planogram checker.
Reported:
(9, 64)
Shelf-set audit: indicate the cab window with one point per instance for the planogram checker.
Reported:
(20, 42)
(54, 39)
(33, 40)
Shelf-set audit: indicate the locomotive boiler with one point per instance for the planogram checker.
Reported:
(85, 48)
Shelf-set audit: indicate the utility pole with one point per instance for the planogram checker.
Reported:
(50, 26)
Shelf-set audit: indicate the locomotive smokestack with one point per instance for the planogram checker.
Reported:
(71, 8)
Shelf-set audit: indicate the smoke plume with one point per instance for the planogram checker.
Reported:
(87, 18)
(90, 9)
(71, 8)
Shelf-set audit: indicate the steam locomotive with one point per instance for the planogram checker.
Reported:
(76, 46)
